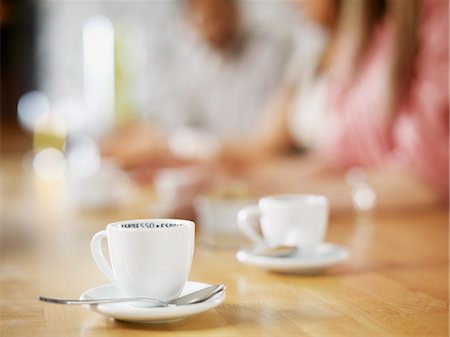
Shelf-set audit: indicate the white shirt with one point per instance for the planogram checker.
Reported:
(227, 95)
(308, 118)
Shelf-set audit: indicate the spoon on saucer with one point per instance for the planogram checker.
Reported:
(274, 250)
(198, 296)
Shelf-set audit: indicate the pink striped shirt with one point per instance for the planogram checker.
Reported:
(419, 137)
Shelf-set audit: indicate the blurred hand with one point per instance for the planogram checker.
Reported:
(135, 144)
(141, 150)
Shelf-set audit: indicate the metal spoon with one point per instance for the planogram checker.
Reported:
(275, 250)
(194, 297)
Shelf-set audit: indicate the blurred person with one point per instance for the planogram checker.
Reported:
(223, 74)
(373, 110)
(383, 109)
(229, 68)
(295, 116)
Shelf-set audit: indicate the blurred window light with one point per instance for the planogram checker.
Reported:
(83, 157)
(32, 106)
(364, 198)
(72, 112)
(98, 63)
(49, 164)
(49, 132)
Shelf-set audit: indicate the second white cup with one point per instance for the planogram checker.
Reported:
(294, 219)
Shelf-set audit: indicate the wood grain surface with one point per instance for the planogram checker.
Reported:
(395, 283)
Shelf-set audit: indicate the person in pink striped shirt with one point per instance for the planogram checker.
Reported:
(387, 110)
(394, 115)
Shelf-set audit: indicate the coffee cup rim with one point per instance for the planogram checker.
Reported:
(151, 224)
(292, 198)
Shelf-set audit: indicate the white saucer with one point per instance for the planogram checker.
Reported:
(325, 255)
(130, 313)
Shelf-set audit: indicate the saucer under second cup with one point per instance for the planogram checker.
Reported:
(324, 256)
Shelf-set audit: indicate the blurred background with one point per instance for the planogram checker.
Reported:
(93, 65)
(73, 72)
(112, 104)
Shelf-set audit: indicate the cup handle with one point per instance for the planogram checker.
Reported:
(99, 257)
(248, 222)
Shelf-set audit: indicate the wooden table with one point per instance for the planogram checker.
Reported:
(395, 284)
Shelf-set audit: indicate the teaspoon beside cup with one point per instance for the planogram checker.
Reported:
(198, 296)
(275, 250)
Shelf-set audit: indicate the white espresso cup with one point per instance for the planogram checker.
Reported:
(149, 257)
(299, 220)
